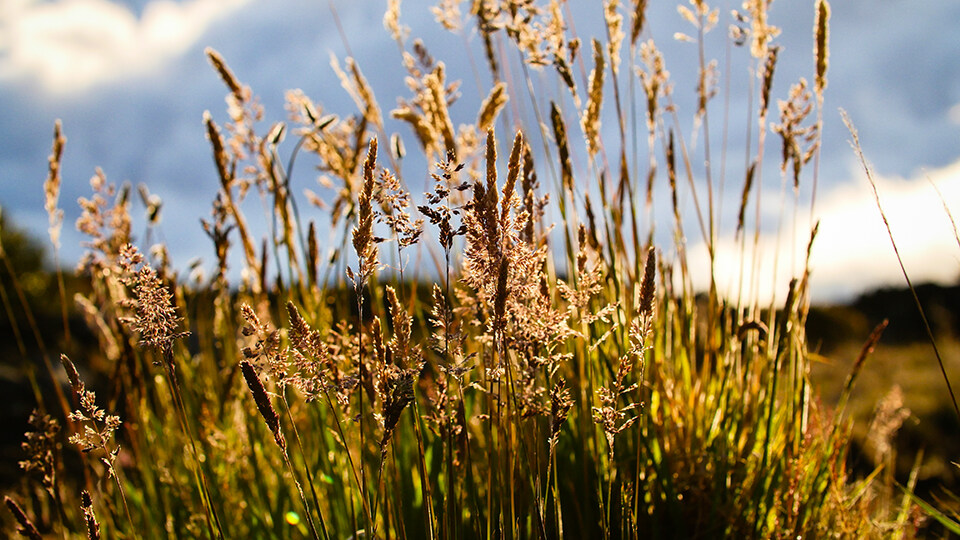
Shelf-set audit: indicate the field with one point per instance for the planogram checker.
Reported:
(512, 352)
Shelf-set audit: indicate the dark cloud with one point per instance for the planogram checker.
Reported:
(894, 69)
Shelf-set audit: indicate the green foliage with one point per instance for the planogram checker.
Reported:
(26, 255)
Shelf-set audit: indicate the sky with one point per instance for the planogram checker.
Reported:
(130, 83)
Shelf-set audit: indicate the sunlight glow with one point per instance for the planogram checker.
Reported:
(852, 251)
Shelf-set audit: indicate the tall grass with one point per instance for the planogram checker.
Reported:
(543, 380)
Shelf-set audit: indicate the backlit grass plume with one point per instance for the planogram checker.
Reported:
(475, 316)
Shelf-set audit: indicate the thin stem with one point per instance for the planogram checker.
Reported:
(903, 270)
(174, 384)
(306, 470)
(343, 439)
(360, 390)
(303, 498)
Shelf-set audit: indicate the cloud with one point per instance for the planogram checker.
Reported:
(954, 114)
(150, 84)
(852, 251)
(69, 46)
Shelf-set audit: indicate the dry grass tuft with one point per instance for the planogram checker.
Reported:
(551, 375)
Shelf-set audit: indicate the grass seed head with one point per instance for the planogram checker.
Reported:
(42, 448)
(591, 116)
(27, 528)
(262, 400)
(491, 106)
(615, 35)
(638, 20)
(89, 517)
(363, 240)
(51, 187)
(766, 76)
(648, 284)
(821, 45)
(218, 63)
(72, 375)
(155, 318)
(560, 405)
(500, 300)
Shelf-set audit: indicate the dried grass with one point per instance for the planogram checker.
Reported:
(537, 384)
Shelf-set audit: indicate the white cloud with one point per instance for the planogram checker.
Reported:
(72, 45)
(954, 114)
(852, 251)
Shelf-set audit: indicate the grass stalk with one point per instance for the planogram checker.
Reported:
(913, 292)
(213, 520)
(306, 467)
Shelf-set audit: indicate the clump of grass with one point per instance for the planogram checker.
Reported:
(546, 380)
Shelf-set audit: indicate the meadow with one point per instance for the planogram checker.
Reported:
(508, 353)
